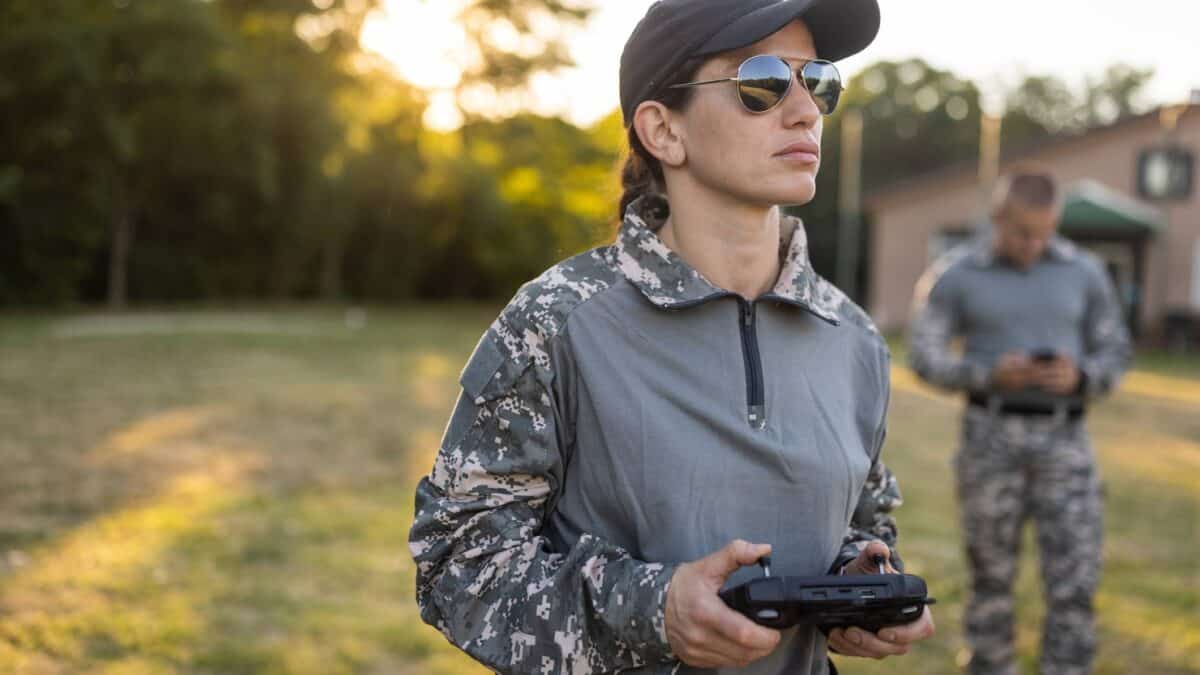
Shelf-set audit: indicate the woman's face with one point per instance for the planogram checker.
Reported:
(763, 159)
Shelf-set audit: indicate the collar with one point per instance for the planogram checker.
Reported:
(1059, 249)
(670, 283)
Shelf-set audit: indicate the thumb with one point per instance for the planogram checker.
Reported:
(875, 548)
(736, 554)
(865, 562)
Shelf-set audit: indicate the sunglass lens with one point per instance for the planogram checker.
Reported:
(824, 83)
(763, 81)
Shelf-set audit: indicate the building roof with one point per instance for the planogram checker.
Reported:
(968, 169)
(1092, 208)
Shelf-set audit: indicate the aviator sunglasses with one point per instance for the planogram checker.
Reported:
(764, 80)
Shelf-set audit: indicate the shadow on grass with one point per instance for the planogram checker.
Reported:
(259, 527)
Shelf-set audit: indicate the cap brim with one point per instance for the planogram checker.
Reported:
(840, 28)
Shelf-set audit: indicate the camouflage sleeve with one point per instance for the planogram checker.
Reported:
(936, 321)
(487, 578)
(1106, 338)
(872, 519)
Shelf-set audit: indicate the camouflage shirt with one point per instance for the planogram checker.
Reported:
(1065, 303)
(623, 415)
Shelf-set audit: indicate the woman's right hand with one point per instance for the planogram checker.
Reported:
(703, 630)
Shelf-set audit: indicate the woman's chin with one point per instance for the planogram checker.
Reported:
(799, 188)
(792, 190)
(796, 195)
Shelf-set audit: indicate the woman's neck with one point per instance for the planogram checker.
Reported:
(735, 246)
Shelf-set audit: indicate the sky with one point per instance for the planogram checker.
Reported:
(993, 44)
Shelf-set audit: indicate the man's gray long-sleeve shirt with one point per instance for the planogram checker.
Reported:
(1064, 302)
(622, 416)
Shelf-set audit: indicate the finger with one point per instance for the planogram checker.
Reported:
(850, 642)
(838, 642)
(736, 554)
(865, 562)
(742, 631)
(921, 629)
(871, 645)
(727, 650)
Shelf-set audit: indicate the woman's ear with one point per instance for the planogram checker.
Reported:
(655, 126)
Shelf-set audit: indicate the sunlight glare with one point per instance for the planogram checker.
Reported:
(422, 39)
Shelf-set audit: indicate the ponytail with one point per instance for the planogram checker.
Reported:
(642, 173)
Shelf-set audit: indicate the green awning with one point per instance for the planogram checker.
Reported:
(1092, 208)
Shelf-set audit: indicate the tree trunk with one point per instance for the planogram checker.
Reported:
(122, 240)
(332, 254)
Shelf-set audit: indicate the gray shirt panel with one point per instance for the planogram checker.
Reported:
(1063, 303)
(664, 463)
(605, 435)
(1004, 308)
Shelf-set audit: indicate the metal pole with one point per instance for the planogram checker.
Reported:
(849, 202)
(989, 158)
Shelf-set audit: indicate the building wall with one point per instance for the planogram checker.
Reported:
(909, 216)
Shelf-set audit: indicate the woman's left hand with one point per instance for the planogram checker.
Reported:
(890, 641)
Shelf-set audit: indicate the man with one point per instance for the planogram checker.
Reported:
(1043, 337)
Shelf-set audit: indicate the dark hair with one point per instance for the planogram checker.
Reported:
(642, 173)
(1027, 183)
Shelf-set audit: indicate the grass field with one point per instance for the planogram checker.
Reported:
(226, 493)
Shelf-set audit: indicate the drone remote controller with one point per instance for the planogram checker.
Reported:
(870, 601)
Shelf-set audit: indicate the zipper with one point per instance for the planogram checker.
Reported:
(756, 409)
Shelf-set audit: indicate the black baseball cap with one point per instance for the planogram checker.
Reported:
(674, 31)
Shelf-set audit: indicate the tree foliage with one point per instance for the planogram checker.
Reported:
(218, 149)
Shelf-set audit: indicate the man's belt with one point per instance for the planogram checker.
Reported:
(1073, 410)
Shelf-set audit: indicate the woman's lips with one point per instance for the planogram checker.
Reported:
(804, 153)
(800, 157)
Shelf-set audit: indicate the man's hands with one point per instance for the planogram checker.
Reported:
(703, 631)
(890, 641)
(1060, 376)
(1015, 370)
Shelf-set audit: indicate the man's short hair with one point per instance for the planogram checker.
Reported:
(1029, 184)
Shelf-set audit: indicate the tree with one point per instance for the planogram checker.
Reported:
(915, 118)
(1042, 106)
(516, 196)
(299, 61)
(114, 85)
(512, 40)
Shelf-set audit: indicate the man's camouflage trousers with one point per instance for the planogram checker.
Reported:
(1010, 469)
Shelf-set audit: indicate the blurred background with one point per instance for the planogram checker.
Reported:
(247, 245)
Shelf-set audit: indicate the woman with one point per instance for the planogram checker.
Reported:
(641, 412)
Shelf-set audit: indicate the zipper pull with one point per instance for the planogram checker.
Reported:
(757, 416)
(748, 313)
